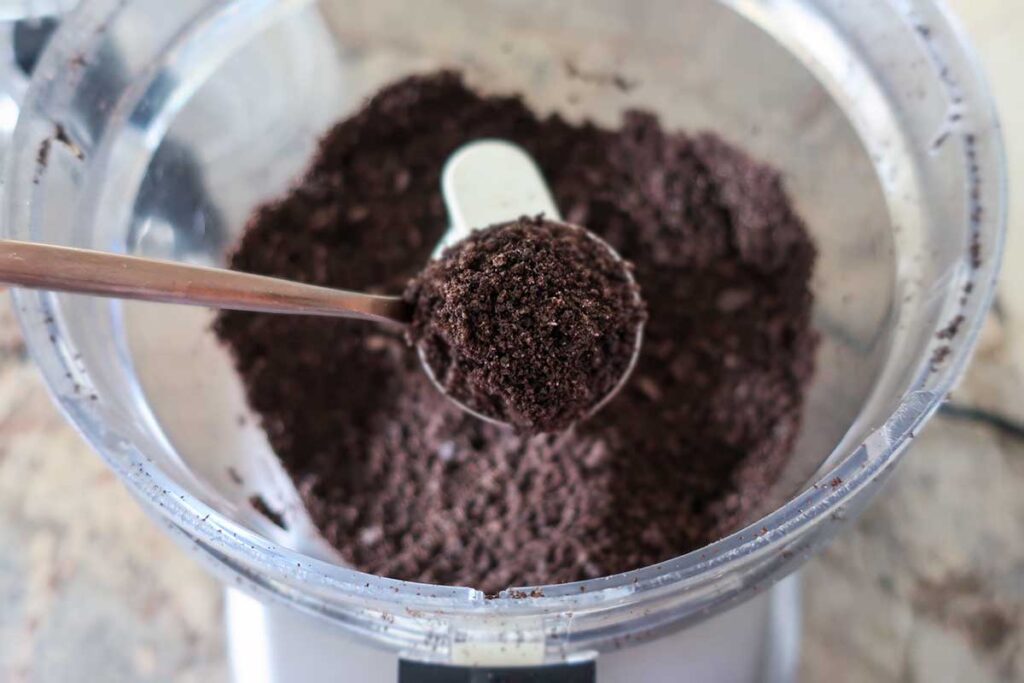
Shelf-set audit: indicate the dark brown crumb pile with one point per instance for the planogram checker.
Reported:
(531, 322)
(407, 485)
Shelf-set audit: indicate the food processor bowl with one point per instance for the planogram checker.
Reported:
(156, 128)
(16, 10)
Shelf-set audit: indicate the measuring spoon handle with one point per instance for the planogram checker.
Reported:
(83, 271)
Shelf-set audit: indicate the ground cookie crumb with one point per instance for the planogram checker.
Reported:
(406, 484)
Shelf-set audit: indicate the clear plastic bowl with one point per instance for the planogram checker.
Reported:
(183, 116)
(14, 10)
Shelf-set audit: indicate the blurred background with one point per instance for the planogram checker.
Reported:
(928, 586)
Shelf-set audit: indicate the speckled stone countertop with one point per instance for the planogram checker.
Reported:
(927, 586)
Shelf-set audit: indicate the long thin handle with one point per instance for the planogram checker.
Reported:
(66, 269)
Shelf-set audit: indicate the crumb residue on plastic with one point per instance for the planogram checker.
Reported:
(939, 356)
(42, 159)
(260, 505)
(599, 78)
(235, 476)
(60, 134)
(950, 330)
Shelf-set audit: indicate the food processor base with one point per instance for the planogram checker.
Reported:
(756, 641)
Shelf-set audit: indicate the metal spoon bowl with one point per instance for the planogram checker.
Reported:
(489, 182)
(638, 341)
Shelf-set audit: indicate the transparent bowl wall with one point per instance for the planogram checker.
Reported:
(13, 10)
(185, 116)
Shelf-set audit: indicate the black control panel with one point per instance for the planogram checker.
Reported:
(420, 672)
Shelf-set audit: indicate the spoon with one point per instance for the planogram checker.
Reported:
(484, 182)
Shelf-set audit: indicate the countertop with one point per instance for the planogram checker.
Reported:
(927, 586)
